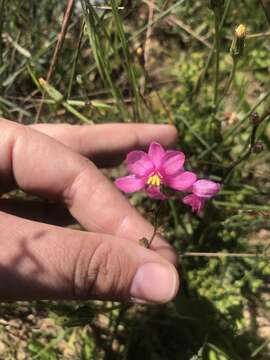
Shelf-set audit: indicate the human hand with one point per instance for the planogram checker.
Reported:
(43, 261)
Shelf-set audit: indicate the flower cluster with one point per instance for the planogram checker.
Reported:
(158, 170)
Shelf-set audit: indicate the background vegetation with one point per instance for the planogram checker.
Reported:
(156, 61)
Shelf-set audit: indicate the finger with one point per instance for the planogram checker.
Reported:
(36, 210)
(40, 165)
(39, 261)
(107, 144)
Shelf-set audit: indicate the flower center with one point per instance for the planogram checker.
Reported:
(154, 180)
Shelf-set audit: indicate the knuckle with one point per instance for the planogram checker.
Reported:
(74, 183)
(102, 275)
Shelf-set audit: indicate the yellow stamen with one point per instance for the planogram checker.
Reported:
(154, 180)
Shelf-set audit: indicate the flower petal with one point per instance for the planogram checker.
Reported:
(156, 153)
(172, 163)
(130, 184)
(182, 181)
(205, 188)
(139, 163)
(155, 193)
(194, 201)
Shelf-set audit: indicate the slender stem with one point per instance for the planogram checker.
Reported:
(221, 254)
(217, 53)
(75, 60)
(211, 53)
(264, 209)
(76, 113)
(229, 82)
(244, 156)
(155, 225)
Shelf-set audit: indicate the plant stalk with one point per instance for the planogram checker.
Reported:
(217, 53)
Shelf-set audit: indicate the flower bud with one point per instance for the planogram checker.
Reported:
(241, 31)
(257, 148)
(139, 51)
(238, 42)
(255, 118)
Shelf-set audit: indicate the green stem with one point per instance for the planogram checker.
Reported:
(217, 52)
(76, 113)
(242, 206)
(229, 82)
(210, 56)
(74, 62)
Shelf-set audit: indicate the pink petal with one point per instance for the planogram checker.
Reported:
(139, 163)
(130, 184)
(205, 188)
(182, 181)
(155, 193)
(194, 201)
(172, 163)
(156, 153)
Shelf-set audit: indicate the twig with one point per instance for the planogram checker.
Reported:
(57, 49)
(258, 35)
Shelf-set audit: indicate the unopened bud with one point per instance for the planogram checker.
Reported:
(241, 31)
(257, 148)
(51, 91)
(139, 51)
(255, 118)
(238, 42)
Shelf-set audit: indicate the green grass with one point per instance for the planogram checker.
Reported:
(100, 78)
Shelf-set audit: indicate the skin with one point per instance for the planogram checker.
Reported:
(39, 259)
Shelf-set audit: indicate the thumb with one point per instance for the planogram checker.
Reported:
(123, 270)
(39, 261)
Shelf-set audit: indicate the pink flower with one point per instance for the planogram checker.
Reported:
(201, 191)
(154, 169)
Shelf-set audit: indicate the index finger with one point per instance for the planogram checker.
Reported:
(107, 144)
(40, 165)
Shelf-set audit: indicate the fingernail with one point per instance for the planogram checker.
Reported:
(155, 283)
